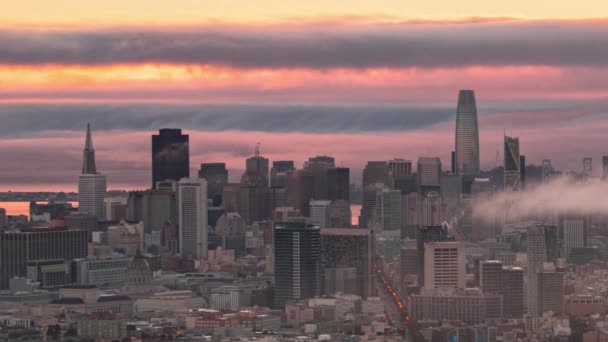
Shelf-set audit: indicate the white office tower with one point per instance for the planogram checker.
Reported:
(537, 255)
(320, 213)
(444, 265)
(192, 212)
(91, 185)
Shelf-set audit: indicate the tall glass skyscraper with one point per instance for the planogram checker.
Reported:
(512, 165)
(467, 135)
(170, 156)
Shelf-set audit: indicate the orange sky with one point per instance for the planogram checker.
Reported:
(184, 12)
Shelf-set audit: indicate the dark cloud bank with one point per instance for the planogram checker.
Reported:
(557, 43)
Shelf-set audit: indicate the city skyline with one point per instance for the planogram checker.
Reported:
(124, 153)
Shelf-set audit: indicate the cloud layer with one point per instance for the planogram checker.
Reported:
(504, 43)
(559, 196)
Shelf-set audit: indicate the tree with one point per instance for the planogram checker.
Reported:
(53, 332)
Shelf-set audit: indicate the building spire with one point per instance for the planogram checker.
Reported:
(89, 143)
(88, 154)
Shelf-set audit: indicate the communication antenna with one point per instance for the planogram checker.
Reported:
(257, 149)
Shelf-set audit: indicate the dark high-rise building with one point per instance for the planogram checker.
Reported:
(338, 184)
(346, 248)
(216, 175)
(154, 208)
(300, 190)
(512, 164)
(279, 172)
(170, 155)
(551, 291)
(490, 274)
(512, 290)
(505, 281)
(605, 167)
(297, 255)
(467, 135)
(258, 164)
(376, 172)
(318, 167)
(425, 235)
(251, 197)
(551, 243)
(18, 248)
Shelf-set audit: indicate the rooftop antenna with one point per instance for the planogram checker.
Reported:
(257, 149)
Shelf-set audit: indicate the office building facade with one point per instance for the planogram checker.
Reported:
(297, 256)
(192, 212)
(344, 248)
(170, 155)
(338, 184)
(429, 174)
(17, 248)
(444, 265)
(279, 172)
(216, 175)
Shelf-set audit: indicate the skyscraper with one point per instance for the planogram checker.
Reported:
(216, 176)
(320, 213)
(605, 167)
(400, 167)
(258, 164)
(387, 211)
(512, 164)
(572, 233)
(424, 235)
(550, 291)
(537, 255)
(318, 167)
(192, 212)
(170, 155)
(297, 255)
(91, 185)
(338, 184)
(512, 287)
(490, 276)
(429, 174)
(467, 135)
(279, 172)
(251, 197)
(444, 265)
(344, 248)
(300, 190)
(375, 172)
